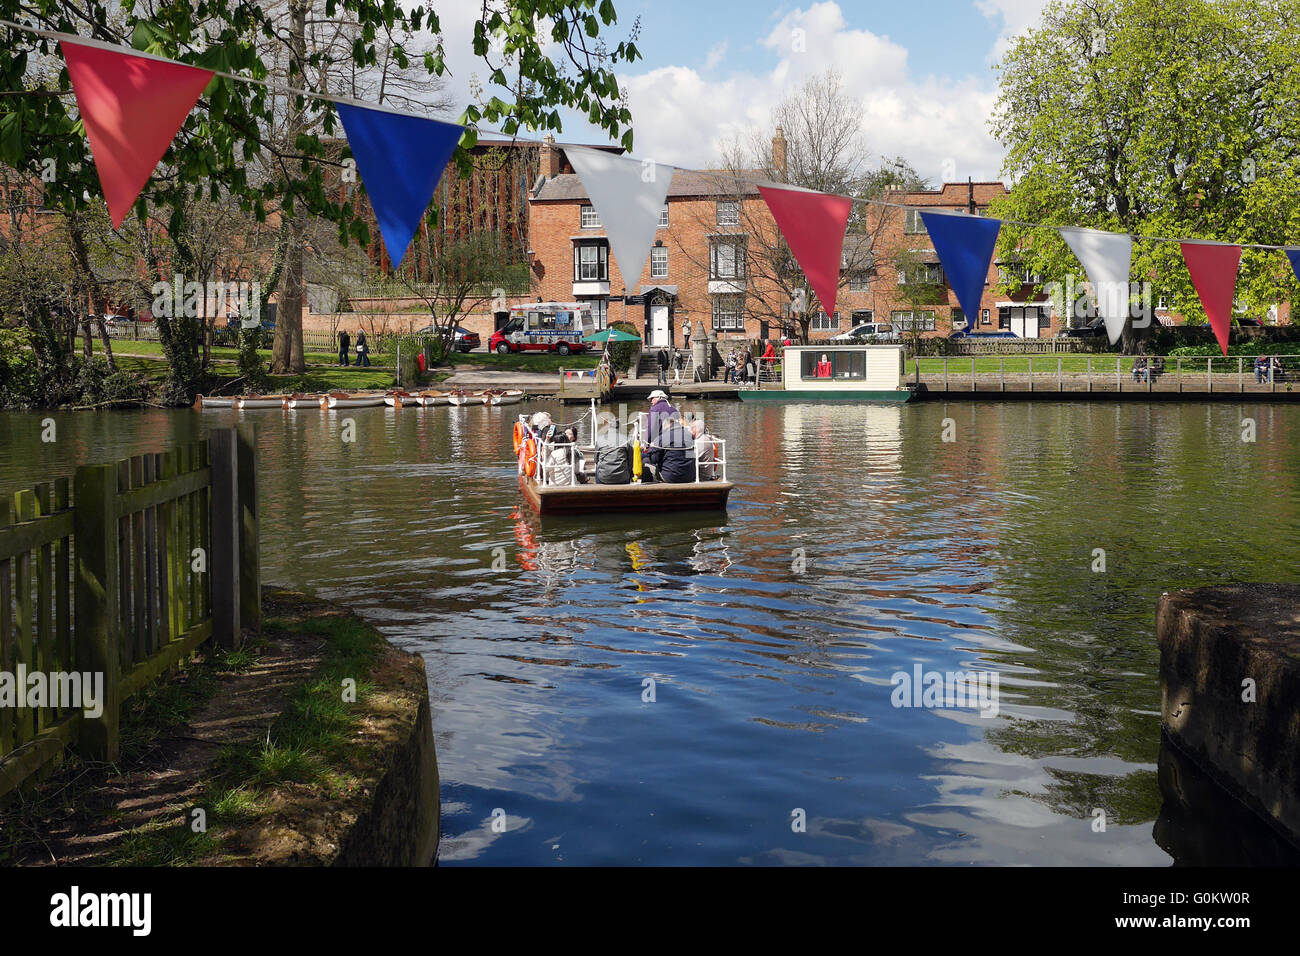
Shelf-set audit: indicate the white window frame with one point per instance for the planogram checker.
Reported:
(732, 219)
(728, 321)
(663, 217)
(659, 270)
(588, 217)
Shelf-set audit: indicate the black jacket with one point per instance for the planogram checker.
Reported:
(674, 455)
(663, 358)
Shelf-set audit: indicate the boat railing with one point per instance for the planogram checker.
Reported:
(546, 473)
(719, 462)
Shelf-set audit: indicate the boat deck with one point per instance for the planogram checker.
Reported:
(648, 496)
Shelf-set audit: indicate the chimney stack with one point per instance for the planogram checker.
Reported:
(550, 157)
(778, 154)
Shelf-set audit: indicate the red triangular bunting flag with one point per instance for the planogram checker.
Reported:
(1214, 273)
(131, 107)
(813, 225)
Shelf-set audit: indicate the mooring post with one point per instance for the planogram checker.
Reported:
(223, 559)
(98, 630)
(250, 570)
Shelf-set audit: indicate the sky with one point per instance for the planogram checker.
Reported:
(922, 69)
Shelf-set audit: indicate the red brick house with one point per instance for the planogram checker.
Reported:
(716, 255)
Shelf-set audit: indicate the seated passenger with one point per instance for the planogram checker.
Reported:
(543, 429)
(613, 453)
(558, 471)
(704, 451)
(673, 457)
(824, 367)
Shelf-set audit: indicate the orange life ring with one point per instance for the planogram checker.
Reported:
(519, 436)
(530, 457)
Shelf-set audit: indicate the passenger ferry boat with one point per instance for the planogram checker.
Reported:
(831, 372)
(553, 487)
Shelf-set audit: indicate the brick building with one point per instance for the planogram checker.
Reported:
(717, 259)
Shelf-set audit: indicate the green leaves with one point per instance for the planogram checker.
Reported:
(1167, 118)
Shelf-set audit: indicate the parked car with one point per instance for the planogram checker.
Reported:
(1094, 328)
(867, 332)
(463, 340)
(981, 336)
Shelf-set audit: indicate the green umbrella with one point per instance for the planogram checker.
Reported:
(611, 335)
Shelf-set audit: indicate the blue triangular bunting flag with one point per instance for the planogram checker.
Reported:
(1294, 256)
(965, 247)
(400, 159)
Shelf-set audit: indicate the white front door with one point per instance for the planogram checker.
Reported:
(659, 326)
(1024, 322)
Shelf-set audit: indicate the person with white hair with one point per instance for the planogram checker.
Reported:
(543, 427)
(705, 450)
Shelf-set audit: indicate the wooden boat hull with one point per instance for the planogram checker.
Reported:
(475, 398)
(216, 402)
(263, 401)
(428, 401)
(512, 397)
(305, 401)
(355, 401)
(595, 499)
(864, 396)
(394, 401)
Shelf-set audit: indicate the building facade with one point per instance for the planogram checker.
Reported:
(717, 260)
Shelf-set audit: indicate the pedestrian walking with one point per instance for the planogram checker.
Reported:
(663, 366)
(363, 350)
(345, 342)
(730, 377)
(679, 363)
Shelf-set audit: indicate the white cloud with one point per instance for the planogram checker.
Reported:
(715, 55)
(1016, 16)
(683, 117)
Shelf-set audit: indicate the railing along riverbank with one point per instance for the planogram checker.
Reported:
(1235, 374)
(109, 580)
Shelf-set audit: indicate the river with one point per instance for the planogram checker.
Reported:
(677, 689)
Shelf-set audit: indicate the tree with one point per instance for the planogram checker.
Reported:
(1161, 118)
(542, 55)
(923, 288)
(465, 274)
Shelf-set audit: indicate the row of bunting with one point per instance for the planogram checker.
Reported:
(132, 106)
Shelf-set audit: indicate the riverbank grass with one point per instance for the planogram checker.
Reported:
(259, 756)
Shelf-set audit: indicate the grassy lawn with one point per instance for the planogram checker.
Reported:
(127, 347)
(1047, 364)
(321, 378)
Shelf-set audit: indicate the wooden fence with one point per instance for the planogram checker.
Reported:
(117, 577)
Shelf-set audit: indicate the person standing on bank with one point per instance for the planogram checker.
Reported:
(363, 350)
(663, 366)
(345, 342)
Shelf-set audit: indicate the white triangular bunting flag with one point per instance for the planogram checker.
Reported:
(628, 195)
(1107, 257)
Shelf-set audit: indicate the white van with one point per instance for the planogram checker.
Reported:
(867, 332)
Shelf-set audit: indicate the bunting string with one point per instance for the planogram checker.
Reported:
(336, 98)
(133, 103)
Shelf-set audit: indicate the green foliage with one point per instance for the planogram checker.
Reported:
(19, 376)
(620, 353)
(252, 368)
(1171, 118)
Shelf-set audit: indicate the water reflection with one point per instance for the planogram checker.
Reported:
(858, 543)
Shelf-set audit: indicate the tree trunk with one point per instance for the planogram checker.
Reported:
(287, 354)
(98, 301)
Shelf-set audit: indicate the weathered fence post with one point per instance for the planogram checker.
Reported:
(1241, 375)
(223, 557)
(98, 631)
(1209, 374)
(250, 570)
